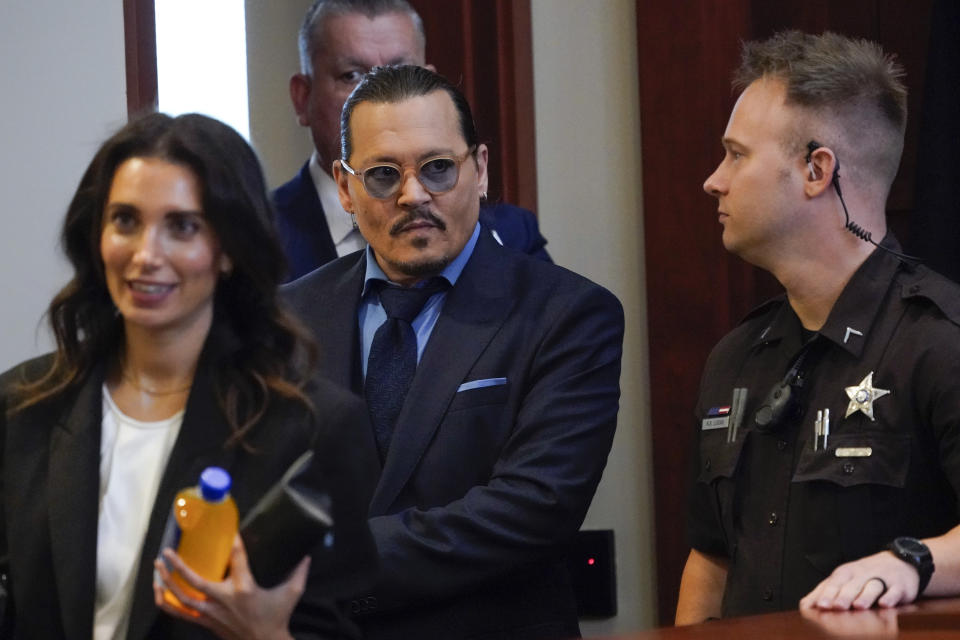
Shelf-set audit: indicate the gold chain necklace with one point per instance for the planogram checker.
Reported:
(153, 392)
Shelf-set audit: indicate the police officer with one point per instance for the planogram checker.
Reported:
(827, 453)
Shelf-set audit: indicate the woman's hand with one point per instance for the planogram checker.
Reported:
(236, 608)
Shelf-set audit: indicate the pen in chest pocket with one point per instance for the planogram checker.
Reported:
(821, 430)
(738, 405)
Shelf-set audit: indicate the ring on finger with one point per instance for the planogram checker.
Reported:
(882, 583)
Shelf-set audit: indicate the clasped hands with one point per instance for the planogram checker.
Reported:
(236, 607)
(881, 579)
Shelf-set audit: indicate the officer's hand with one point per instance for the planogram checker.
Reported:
(881, 579)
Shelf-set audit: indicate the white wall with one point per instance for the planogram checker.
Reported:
(589, 199)
(282, 144)
(63, 92)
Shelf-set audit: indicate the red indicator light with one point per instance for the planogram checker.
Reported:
(591, 561)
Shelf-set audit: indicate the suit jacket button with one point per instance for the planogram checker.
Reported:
(355, 606)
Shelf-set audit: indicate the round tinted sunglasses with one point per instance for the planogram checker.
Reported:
(437, 174)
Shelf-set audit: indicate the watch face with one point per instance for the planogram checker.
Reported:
(914, 552)
(912, 546)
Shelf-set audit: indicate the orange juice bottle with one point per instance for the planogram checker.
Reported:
(201, 530)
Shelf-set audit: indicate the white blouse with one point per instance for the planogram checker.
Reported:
(133, 455)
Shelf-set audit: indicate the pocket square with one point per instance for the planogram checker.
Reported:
(479, 384)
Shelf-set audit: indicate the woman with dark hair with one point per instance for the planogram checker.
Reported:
(173, 354)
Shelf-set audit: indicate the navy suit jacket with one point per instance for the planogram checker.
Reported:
(306, 238)
(481, 486)
(49, 487)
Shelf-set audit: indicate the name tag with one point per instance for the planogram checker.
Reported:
(715, 423)
(854, 452)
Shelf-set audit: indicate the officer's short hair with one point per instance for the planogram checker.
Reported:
(851, 90)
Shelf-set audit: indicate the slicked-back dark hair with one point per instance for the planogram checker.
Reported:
(273, 350)
(321, 10)
(849, 81)
(393, 84)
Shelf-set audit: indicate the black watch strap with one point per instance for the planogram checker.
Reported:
(916, 554)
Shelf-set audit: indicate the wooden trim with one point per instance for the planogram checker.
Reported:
(140, 40)
(467, 45)
(517, 111)
(694, 287)
(484, 47)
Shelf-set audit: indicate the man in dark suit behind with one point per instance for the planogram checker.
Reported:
(497, 449)
(340, 40)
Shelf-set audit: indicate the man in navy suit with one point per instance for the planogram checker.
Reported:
(501, 438)
(340, 40)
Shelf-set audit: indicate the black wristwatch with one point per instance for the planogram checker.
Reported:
(917, 555)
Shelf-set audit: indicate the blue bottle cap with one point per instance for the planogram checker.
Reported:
(214, 484)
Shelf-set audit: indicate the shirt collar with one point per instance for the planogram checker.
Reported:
(859, 304)
(451, 272)
(338, 220)
(855, 310)
(784, 323)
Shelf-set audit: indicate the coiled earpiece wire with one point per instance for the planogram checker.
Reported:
(850, 225)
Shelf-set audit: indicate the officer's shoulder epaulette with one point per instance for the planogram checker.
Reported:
(922, 282)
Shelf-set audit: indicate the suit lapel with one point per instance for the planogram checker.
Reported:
(331, 312)
(74, 486)
(310, 210)
(199, 444)
(472, 314)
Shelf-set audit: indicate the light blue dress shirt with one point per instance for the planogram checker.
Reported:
(371, 315)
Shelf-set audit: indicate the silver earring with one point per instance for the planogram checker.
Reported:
(483, 196)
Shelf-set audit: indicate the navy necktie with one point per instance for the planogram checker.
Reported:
(393, 356)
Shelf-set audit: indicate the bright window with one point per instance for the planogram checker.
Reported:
(202, 60)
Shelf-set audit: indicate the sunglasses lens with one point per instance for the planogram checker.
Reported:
(381, 181)
(439, 174)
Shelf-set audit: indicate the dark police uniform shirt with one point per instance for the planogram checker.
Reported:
(786, 515)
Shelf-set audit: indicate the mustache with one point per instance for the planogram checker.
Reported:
(416, 215)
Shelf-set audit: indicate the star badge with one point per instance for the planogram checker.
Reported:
(862, 397)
